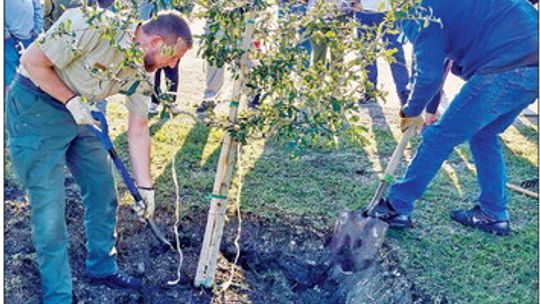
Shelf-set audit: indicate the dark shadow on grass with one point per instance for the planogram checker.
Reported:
(518, 168)
(528, 127)
(195, 181)
(385, 144)
(120, 144)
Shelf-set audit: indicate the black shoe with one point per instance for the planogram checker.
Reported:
(255, 102)
(477, 218)
(205, 106)
(366, 99)
(118, 281)
(386, 212)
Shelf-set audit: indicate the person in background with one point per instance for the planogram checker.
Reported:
(372, 14)
(22, 24)
(296, 7)
(53, 9)
(494, 47)
(343, 13)
(147, 11)
(215, 78)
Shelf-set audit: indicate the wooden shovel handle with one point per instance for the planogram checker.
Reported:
(392, 166)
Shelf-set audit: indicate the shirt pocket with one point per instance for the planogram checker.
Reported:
(97, 76)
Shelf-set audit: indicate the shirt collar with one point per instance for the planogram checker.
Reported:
(128, 36)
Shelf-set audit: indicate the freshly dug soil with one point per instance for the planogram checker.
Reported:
(283, 260)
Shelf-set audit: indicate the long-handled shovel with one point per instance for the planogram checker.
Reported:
(103, 134)
(357, 236)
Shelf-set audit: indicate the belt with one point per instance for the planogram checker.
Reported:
(29, 85)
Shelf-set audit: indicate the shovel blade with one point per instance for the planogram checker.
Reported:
(356, 240)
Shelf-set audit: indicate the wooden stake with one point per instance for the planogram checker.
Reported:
(206, 269)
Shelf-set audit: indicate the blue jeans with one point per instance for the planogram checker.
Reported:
(398, 68)
(485, 107)
(172, 75)
(42, 139)
(296, 9)
(102, 106)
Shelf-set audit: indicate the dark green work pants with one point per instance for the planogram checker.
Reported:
(43, 139)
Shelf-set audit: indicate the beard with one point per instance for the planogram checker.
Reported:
(150, 63)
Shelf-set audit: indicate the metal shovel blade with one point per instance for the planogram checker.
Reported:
(358, 237)
(356, 241)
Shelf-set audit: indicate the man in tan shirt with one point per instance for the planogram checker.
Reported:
(46, 113)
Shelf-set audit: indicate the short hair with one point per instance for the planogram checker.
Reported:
(170, 25)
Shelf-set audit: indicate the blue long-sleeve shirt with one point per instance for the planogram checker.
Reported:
(480, 36)
(23, 18)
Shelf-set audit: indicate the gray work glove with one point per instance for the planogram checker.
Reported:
(148, 196)
(80, 111)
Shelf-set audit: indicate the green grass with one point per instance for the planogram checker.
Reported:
(442, 258)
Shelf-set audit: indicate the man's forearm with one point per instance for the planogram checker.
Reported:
(139, 150)
(43, 75)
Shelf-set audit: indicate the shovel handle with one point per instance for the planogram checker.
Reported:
(103, 134)
(391, 168)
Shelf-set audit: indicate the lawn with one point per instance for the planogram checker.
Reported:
(449, 263)
(445, 260)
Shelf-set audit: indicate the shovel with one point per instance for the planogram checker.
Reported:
(358, 237)
(103, 134)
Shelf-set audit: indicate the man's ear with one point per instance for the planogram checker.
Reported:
(156, 41)
(181, 44)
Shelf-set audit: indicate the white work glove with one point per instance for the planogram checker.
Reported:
(148, 196)
(80, 111)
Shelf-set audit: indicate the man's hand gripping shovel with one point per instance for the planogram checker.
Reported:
(102, 132)
(357, 236)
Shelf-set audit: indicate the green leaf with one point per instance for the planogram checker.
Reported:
(390, 52)
(164, 115)
(330, 35)
(336, 106)
(131, 89)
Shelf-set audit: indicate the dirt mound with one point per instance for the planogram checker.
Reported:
(283, 260)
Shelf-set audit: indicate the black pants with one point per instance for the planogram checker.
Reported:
(172, 75)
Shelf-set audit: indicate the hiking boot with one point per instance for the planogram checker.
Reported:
(477, 218)
(118, 280)
(153, 109)
(386, 212)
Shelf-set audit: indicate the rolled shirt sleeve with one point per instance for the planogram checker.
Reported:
(138, 102)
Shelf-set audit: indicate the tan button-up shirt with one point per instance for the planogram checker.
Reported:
(88, 63)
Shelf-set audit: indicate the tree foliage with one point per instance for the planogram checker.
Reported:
(303, 101)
